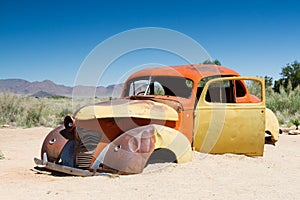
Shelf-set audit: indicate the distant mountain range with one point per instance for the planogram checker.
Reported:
(48, 88)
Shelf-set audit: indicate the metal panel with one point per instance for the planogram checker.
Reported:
(134, 108)
(230, 127)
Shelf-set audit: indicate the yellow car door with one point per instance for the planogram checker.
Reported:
(226, 122)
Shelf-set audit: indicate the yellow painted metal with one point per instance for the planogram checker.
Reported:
(133, 108)
(175, 141)
(230, 127)
(272, 125)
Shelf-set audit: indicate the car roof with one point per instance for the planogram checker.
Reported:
(194, 72)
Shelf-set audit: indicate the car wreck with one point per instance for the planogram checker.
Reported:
(164, 114)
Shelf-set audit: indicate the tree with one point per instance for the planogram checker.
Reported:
(215, 62)
(290, 73)
(268, 81)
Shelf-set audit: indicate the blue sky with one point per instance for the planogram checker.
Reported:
(50, 39)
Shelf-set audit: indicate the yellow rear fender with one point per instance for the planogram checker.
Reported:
(272, 125)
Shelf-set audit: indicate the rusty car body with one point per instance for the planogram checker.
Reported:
(163, 114)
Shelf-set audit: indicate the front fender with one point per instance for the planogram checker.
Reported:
(54, 144)
(175, 141)
(129, 153)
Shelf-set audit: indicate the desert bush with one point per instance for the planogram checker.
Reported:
(24, 111)
(285, 103)
(295, 122)
(61, 115)
(1, 155)
(9, 108)
(30, 111)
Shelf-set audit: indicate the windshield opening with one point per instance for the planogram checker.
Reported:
(160, 85)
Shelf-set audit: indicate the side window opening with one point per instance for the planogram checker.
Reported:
(226, 96)
(240, 89)
(198, 94)
(254, 89)
(200, 87)
(221, 92)
(231, 91)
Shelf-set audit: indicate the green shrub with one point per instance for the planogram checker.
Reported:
(1, 155)
(285, 103)
(34, 115)
(62, 114)
(23, 111)
(295, 122)
(10, 108)
(30, 111)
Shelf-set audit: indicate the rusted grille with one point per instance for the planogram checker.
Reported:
(83, 159)
(86, 143)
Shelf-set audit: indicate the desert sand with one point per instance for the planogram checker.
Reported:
(276, 175)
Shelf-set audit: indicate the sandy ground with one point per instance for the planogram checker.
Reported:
(276, 175)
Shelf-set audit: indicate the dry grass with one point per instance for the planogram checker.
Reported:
(29, 111)
(286, 104)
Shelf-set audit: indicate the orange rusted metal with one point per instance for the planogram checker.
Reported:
(53, 144)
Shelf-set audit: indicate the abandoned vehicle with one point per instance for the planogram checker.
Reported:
(163, 114)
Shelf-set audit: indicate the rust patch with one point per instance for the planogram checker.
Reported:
(129, 153)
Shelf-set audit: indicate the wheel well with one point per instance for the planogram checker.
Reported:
(162, 155)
